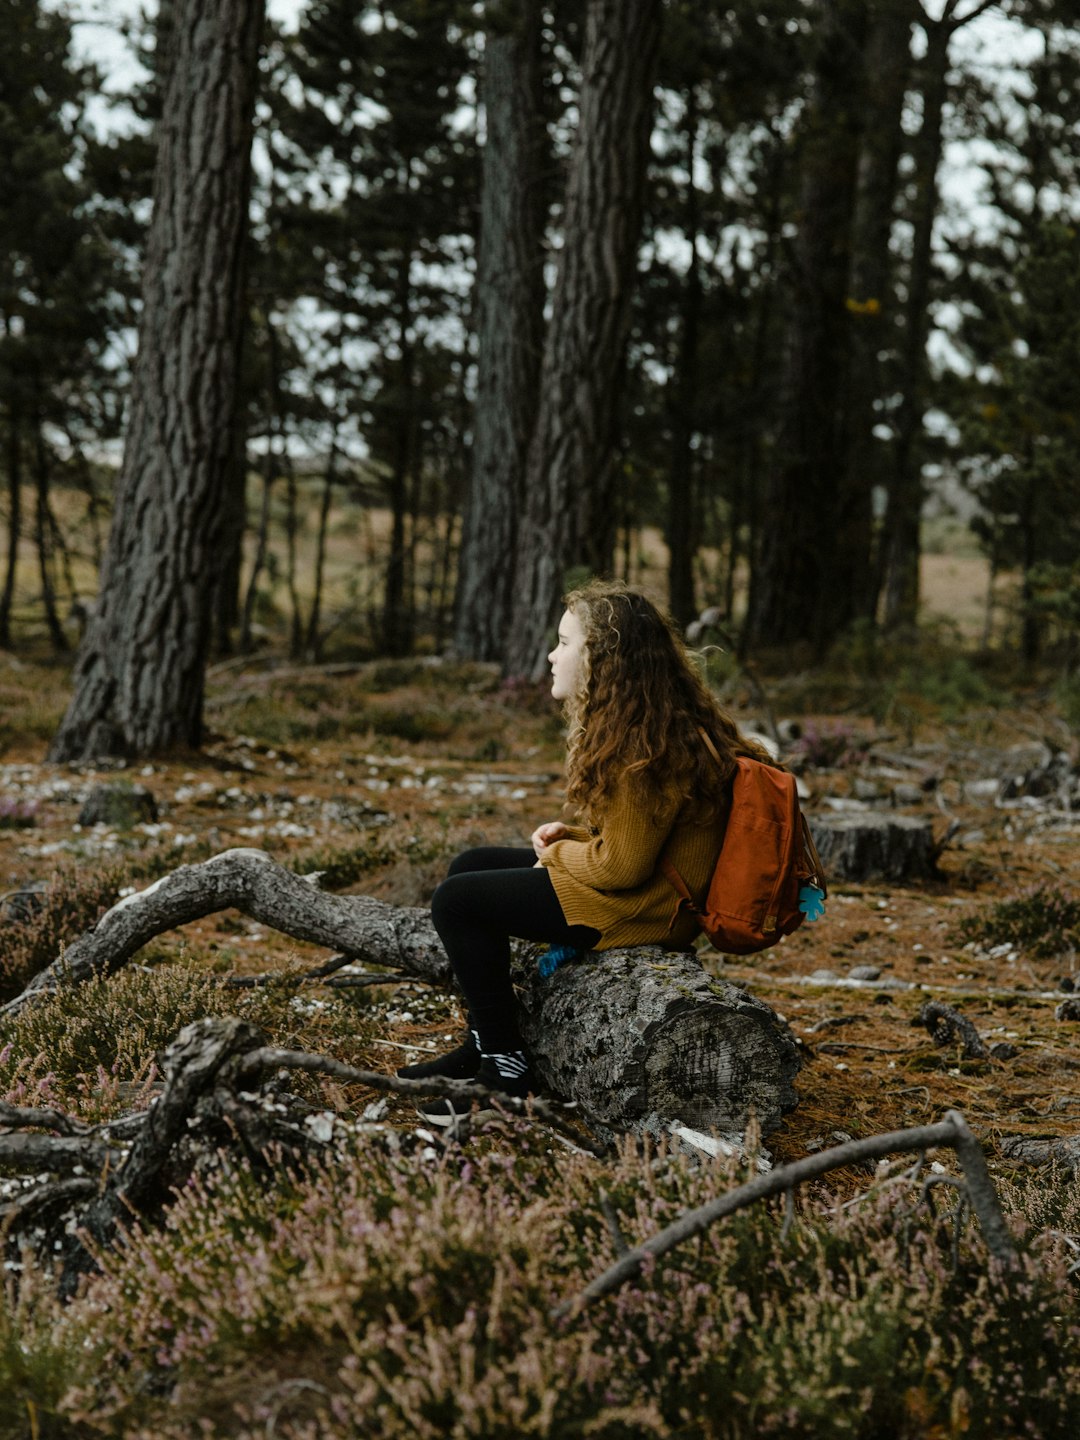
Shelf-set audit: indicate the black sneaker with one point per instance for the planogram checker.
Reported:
(447, 1113)
(460, 1064)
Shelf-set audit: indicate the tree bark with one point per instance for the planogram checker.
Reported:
(14, 469)
(904, 510)
(682, 532)
(568, 511)
(642, 1038)
(510, 326)
(902, 547)
(871, 290)
(140, 671)
(875, 847)
(805, 577)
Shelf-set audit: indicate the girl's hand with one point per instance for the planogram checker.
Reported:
(544, 835)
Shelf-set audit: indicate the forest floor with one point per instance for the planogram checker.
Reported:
(382, 772)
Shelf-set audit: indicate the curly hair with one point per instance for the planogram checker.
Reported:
(641, 706)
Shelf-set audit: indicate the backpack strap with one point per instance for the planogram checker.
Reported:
(679, 885)
(708, 742)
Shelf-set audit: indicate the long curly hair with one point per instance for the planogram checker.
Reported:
(640, 707)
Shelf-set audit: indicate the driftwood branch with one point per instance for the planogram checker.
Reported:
(642, 1039)
(213, 1101)
(953, 1131)
(248, 881)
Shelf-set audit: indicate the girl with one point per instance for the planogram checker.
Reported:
(643, 782)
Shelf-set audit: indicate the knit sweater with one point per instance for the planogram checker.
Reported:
(608, 877)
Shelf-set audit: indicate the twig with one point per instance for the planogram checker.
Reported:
(267, 1058)
(356, 982)
(789, 1213)
(952, 1131)
(618, 1239)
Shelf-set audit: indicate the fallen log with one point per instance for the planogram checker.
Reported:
(642, 1039)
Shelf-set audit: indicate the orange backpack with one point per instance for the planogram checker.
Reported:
(768, 877)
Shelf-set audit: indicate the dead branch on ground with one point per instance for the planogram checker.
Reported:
(953, 1132)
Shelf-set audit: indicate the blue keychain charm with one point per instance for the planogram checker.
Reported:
(811, 902)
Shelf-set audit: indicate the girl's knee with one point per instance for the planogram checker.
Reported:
(467, 860)
(452, 900)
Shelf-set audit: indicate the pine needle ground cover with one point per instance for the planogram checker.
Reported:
(403, 1288)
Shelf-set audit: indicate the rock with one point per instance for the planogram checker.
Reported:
(982, 792)
(120, 806)
(864, 972)
(907, 794)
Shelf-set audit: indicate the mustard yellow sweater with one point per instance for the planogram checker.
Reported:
(609, 879)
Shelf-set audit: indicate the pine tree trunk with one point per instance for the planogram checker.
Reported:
(568, 510)
(313, 639)
(43, 541)
(14, 468)
(510, 321)
(140, 671)
(872, 293)
(804, 580)
(902, 519)
(226, 606)
(397, 619)
(682, 532)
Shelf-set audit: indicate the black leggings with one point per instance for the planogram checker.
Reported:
(489, 895)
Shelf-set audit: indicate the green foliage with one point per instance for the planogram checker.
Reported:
(1053, 600)
(900, 678)
(338, 867)
(1044, 922)
(1067, 695)
(419, 1292)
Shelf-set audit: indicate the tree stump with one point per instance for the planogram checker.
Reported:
(873, 846)
(641, 1038)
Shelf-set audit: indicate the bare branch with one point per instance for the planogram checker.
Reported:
(248, 881)
(543, 1110)
(952, 1131)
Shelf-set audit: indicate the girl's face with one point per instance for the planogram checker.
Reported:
(567, 660)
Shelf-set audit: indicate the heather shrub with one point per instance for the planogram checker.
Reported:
(410, 1296)
(1043, 921)
(93, 1047)
(829, 747)
(40, 1360)
(71, 902)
